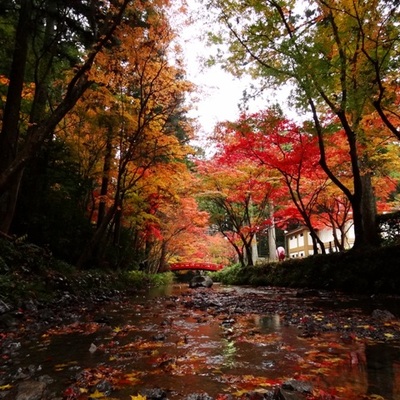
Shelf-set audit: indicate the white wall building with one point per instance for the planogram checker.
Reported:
(299, 242)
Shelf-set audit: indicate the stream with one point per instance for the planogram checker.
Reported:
(218, 343)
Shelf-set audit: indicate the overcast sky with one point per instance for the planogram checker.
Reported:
(220, 92)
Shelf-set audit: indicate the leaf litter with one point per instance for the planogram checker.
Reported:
(233, 338)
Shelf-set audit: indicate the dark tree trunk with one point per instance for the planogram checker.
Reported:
(9, 134)
(362, 198)
(105, 179)
(249, 252)
(368, 206)
(364, 215)
(162, 266)
(89, 252)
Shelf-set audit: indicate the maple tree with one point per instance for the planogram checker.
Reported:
(303, 191)
(172, 227)
(280, 145)
(236, 194)
(337, 57)
(148, 128)
(122, 140)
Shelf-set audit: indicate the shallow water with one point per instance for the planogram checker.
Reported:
(153, 341)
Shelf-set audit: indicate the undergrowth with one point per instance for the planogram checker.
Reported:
(370, 271)
(30, 272)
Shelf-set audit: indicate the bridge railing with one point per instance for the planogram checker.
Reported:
(195, 266)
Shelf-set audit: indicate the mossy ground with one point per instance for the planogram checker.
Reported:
(30, 272)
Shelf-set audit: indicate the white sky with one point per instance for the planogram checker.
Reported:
(220, 92)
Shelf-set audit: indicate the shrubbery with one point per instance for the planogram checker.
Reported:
(373, 271)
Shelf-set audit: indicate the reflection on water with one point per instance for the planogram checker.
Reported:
(268, 324)
(229, 352)
(184, 351)
(383, 370)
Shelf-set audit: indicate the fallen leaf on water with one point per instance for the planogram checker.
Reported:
(223, 397)
(129, 379)
(369, 327)
(138, 397)
(60, 367)
(97, 395)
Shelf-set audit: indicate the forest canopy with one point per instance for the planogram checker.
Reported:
(97, 161)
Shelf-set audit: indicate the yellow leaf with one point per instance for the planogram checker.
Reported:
(60, 366)
(389, 335)
(132, 376)
(240, 393)
(117, 329)
(138, 397)
(5, 387)
(97, 395)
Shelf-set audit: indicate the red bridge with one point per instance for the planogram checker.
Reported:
(199, 266)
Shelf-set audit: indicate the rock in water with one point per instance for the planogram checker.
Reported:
(201, 281)
(31, 390)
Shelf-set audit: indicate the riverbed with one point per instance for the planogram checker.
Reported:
(219, 343)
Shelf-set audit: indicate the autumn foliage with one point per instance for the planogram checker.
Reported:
(285, 157)
(105, 180)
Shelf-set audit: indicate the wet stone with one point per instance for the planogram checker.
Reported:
(294, 390)
(199, 396)
(383, 315)
(159, 337)
(46, 379)
(31, 390)
(270, 395)
(289, 395)
(200, 281)
(104, 387)
(298, 386)
(154, 394)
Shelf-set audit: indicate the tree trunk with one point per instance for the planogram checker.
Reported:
(9, 133)
(364, 215)
(254, 249)
(362, 199)
(249, 252)
(162, 266)
(117, 227)
(240, 254)
(105, 178)
(272, 236)
(93, 244)
(368, 206)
